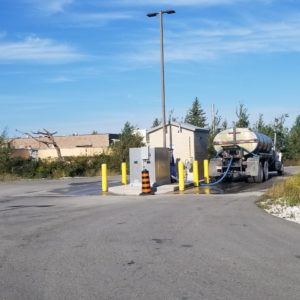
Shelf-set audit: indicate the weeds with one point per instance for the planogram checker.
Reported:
(283, 193)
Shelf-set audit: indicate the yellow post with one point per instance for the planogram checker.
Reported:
(104, 177)
(206, 175)
(124, 175)
(196, 173)
(181, 176)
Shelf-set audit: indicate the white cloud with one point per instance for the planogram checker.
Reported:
(214, 41)
(51, 6)
(174, 3)
(38, 50)
(180, 2)
(60, 79)
(100, 17)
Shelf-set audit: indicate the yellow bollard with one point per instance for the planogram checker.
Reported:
(206, 175)
(181, 176)
(104, 177)
(196, 173)
(124, 175)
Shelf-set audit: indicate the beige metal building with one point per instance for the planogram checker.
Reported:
(73, 145)
(188, 142)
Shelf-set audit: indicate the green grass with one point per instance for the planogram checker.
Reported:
(286, 192)
(8, 177)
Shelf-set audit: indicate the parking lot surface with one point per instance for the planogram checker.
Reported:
(56, 244)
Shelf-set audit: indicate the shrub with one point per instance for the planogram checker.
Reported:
(70, 167)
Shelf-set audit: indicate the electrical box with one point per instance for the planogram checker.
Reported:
(155, 160)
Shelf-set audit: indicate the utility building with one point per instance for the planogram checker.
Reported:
(188, 143)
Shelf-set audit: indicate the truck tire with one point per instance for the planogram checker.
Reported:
(280, 172)
(260, 177)
(249, 179)
(266, 170)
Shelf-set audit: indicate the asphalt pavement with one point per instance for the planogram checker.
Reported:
(54, 245)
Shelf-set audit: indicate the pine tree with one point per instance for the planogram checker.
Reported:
(294, 140)
(262, 127)
(278, 128)
(214, 130)
(128, 139)
(281, 133)
(243, 117)
(224, 125)
(156, 123)
(5, 151)
(196, 115)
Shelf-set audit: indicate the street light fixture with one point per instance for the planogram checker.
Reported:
(154, 14)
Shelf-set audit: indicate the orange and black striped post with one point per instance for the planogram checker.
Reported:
(146, 187)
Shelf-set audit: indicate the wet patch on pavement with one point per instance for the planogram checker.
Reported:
(13, 207)
(91, 188)
(235, 186)
(186, 246)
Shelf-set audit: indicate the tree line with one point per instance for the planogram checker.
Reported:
(287, 142)
(287, 139)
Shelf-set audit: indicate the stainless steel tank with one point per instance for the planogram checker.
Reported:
(245, 138)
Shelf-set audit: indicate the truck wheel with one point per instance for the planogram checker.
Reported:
(260, 177)
(280, 172)
(249, 179)
(266, 170)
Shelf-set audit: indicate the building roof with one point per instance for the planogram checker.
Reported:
(182, 125)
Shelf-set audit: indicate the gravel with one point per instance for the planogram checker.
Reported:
(290, 213)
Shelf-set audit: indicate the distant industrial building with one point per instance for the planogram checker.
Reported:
(73, 145)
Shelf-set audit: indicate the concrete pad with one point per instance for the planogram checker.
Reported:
(135, 190)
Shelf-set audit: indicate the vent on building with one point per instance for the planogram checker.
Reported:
(84, 146)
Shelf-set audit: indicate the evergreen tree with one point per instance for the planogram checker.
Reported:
(224, 125)
(243, 117)
(294, 141)
(128, 139)
(214, 130)
(261, 126)
(196, 115)
(5, 152)
(215, 126)
(156, 123)
(171, 118)
(282, 134)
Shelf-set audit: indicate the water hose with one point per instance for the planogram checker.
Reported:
(220, 179)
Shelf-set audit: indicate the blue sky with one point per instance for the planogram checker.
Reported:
(83, 65)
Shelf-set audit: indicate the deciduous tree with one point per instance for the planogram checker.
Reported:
(47, 138)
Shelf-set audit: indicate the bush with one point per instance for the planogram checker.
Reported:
(70, 167)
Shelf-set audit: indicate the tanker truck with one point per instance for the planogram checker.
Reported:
(243, 152)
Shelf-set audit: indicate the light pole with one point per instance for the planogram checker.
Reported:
(154, 14)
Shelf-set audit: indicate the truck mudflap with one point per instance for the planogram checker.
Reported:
(215, 167)
(253, 165)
